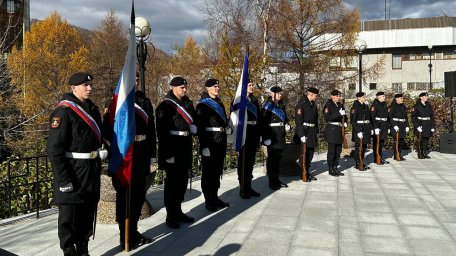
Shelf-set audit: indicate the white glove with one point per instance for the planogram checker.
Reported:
(407, 129)
(345, 125)
(152, 160)
(170, 160)
(206, 152)
(432, 130)
(372, 132)
(420, 129)
(377, 131)
(360, 135)
(388, 131)
(396, 128)
(228, 130)
(287, 127)
(303, 139)
(267, 142)
(342, 112)
(66, 188)
(103, 153)
(193, 129)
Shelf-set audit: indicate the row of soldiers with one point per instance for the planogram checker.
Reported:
(77, 133)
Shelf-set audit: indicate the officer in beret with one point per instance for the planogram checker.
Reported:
(379, 117)
(144, 154)
(335, 117)
(252, 143)
(399, 125)
(175, 128)
(306, 134)
(74, 149)
(362, 129)
(274, 126)
(423, 124)
(212, 122)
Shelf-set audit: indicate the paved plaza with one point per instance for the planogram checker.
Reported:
(403, 208)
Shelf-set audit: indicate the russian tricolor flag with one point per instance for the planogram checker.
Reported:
(238, 116)
(122, 115)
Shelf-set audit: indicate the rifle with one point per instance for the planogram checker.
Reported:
(377, 150)
(304, 169)
(343, 132)
(420, 153)
(360, 160)
(95, 222)
(398, 158)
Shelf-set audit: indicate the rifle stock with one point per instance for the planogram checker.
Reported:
(398, 158)
(343, 133)
(360, 160)
(303, 165)
(377, 150)
(420, 150)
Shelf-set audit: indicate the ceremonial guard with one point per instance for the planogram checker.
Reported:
(274, 126)
(74, 149)
(306, 134)
(212, 122)
(362, 129)
(379, 116)
(144, 154)
(175, 115)
(336, 122)
(399, 125)
(423, 124)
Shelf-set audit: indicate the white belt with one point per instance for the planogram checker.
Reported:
(424, 118)
(381, 119)
(76, 155)
(140, 137)
(276, 124)
(335, 123)
(179, 133)
(308, 124)
(363, 122)
(399, 119)
(251, 122)
(214, 129)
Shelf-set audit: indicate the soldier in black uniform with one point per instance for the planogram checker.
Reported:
(144, 155)
(399, 124)
(334, 113)
(379, 116)
(362, 128)
(73, 147)
(175, 115)
(423, 124)
(274, 124)
(252, 143)
(306, 133)
(212, 122)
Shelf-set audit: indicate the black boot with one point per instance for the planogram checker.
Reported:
(254, 193)
(69, 251)
(210, 202)
(333, 172)
(219, 203)
(337, 170)
(82, 249)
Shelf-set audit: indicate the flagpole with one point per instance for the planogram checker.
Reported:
(127, 218)
(242, 155)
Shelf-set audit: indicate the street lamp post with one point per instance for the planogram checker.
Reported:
(360, 46)
(142, 31)
(430, 66)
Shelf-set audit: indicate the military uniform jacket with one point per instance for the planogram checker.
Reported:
(169, 120)
(333, 118)
(423, 115)
(379, 116)
(210, 113)
(68, 132)
(360, 120)
(398, 117)
(276, 115)
(306, 118)
(253, 132)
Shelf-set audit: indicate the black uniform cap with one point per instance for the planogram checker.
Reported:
(211, 82)
(335, 93)
(178, 81)
(79, 78)
(380, 94)
(360, 94)
(313, 90)
(275, 89)
(250, 81)
(399, 95)
(423, 94)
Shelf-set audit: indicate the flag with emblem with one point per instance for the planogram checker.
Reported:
(122, 114)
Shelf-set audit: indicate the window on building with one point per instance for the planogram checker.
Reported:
(406, 56)
(421, 86)
(352, 87)
(372, 86)
(10, 6)
(449, 55)
(439, 55)
(410, 86)
(397, 61)
(397, 87)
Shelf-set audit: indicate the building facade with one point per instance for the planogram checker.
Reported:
(14, 19)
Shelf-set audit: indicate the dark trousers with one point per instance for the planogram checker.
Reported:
(333, 156)
(359, 155)
(176, 181)
(400, 146)
(273, 165)
(75, 223)
(211, 170)
(380, 148)
(423, 146)
(308, 157)
(246, 159)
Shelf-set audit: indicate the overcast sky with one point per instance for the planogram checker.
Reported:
(173, 20)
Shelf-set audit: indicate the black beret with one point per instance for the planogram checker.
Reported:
(360, 94)
(211, 82)
(250, 81)
(79, 78)
(423, 94)
(313, 90)
(275, 89)
(399, 95)
(380, 94)
(178, 81)
(335, 93)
